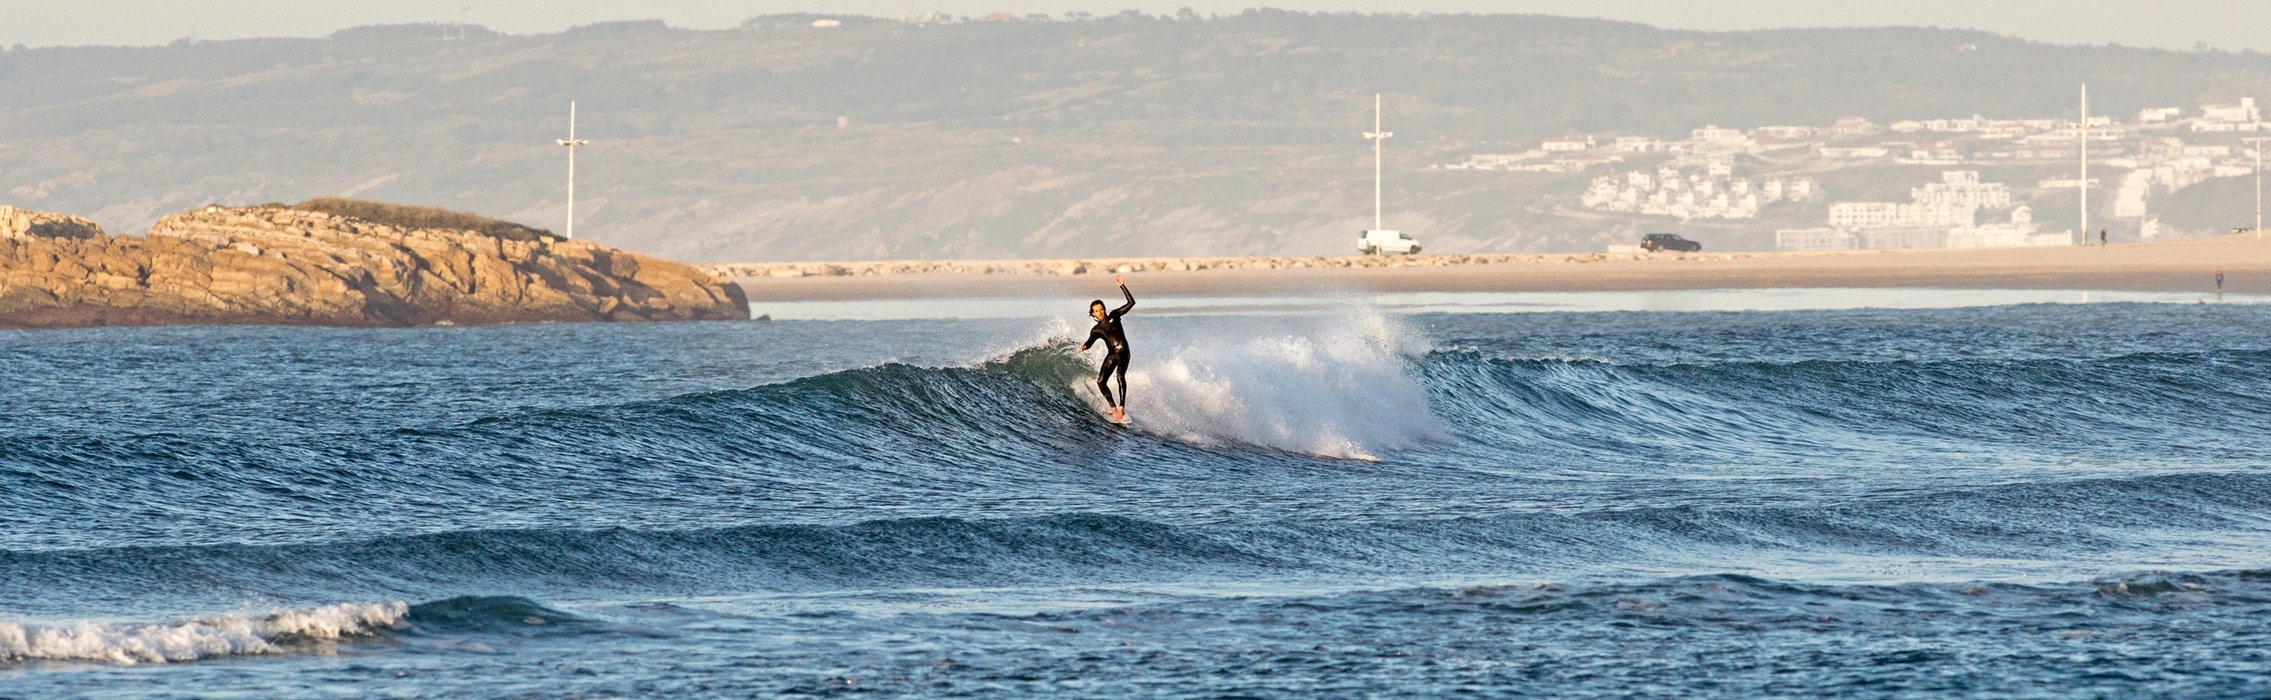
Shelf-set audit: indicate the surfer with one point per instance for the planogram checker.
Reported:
(1115, 348)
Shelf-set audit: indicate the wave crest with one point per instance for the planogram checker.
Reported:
(190, 640)
(1329, 387)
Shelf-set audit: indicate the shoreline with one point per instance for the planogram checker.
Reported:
(2174, 266)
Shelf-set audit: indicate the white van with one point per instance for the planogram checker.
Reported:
(1386, 242)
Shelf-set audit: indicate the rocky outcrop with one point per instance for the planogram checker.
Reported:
(279, 265)
(25, 223)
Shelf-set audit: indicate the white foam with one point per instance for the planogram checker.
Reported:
(230, 635)
(1332, 386)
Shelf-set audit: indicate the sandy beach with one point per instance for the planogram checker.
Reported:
(2174, 266)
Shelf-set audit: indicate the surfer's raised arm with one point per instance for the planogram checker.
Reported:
(1123, 310)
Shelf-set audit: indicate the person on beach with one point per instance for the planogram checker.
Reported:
(2219, 281)
(2101, 238)
(1115, 348)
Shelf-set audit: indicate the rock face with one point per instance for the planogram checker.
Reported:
(24, 223)
(285, 266)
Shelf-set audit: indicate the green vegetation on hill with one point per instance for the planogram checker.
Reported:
(410, 216)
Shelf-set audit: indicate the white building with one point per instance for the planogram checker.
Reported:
(1785, 132)
(1637, 144)
(1943, 215)
(1937, 153)
(1853, 126)
(1713, 133)
(1855, 216)
(2159, 115)
(1903, 238)
(1801, 188)
(1672, 191)
(1862, 216)
(1962, 187)
(2231, 114)
(2021, 232)
(2002, 132)
(1567, 143)
(1814, 239)
(1975, 123)
(1938, 214)
(1936, 211)
(2240, 117)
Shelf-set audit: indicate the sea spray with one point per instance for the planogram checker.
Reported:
(1332, 386)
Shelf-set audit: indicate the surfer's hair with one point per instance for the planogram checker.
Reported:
(1095, 304)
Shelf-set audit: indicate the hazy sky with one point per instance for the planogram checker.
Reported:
(2175, 24)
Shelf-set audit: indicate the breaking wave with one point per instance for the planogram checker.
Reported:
(276, 633)
(1337, 387)
(190, 640)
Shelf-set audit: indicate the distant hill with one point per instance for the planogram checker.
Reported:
(1119, 135)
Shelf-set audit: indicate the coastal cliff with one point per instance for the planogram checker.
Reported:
(282, 265)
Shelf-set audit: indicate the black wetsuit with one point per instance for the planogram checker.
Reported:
(1116, 349)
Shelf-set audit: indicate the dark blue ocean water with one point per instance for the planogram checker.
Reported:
(2033, 500)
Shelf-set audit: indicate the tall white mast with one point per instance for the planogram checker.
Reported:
(1377, 137)
(571, 142)
(2084, 134)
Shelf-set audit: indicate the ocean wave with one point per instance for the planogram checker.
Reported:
(1357, 387)
(1737, 411)
(203, 638)
(281, 632)
(1330, 387)
(1217, 422)
(2181, 517)
(911, 551)
(1341, 388)
(1760, 604)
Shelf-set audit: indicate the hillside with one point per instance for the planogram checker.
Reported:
(1120, 135)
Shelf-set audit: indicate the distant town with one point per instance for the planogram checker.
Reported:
(1735, 174)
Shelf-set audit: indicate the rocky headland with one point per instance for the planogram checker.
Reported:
(275, 264)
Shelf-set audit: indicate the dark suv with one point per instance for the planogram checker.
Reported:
(1669, 241)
